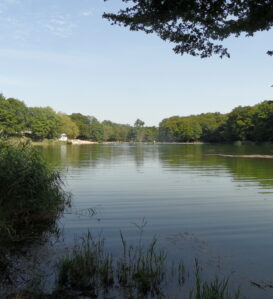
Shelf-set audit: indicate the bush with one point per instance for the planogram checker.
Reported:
(31, 195)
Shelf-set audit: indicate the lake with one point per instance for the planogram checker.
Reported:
(198, 199)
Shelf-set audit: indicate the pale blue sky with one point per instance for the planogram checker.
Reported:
(61, 53)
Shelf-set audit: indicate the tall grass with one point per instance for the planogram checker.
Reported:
(31, 200)
(87, 269)
(90, 270)
(141, 269)
(138, 272)
(31, 194)
(215, 289)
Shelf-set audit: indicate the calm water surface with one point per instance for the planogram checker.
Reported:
(197, 202)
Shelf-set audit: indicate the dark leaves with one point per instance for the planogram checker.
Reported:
(194, 25)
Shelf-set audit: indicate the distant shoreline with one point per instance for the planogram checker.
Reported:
(89, 142)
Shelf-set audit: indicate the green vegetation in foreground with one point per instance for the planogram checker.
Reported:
(252, 123)
(89, 271)
(140, 272)
(32, 199)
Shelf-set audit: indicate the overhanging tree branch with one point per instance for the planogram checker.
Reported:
(196, 27)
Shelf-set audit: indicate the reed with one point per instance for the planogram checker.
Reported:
(87, 269)
(215, 289)
(32, 195)
(32, 199)
(141, 269)
(139, 272)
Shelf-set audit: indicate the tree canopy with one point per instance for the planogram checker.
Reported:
(196, 27)
(43, 122)
(12, 116)
(89, 126)
(68, 126)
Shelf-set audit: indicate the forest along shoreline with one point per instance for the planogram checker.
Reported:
(33, 198)
(80, 142)
(247, 123)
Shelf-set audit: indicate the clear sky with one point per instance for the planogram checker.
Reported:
(61, 53)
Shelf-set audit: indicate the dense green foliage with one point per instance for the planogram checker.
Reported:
(68, 126)
(89, 127)
(43, 122)
(242, 123)
(83, 123)
(180, 129)
(194, 26)
(96, 130)
(13, 114)
(253, 123)
(31, 195)
(32, 200)
(115, 132)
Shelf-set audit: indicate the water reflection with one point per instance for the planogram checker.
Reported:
(203, 159)
(187, 193)
(206, 159)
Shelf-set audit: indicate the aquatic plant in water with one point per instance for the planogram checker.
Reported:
(215, 289)
(87, 269)
(139, 272)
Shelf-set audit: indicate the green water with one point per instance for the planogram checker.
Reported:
(197, 202)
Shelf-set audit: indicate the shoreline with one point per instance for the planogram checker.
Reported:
(90, 142)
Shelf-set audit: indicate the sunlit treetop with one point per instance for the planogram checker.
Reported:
(196, 27)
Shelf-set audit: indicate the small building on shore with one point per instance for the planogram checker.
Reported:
(63, 137)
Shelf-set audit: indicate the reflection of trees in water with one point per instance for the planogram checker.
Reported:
(97, 154)
(80, 155)
(202, 158)
(137, 151)
(142, 153)
(198, 157)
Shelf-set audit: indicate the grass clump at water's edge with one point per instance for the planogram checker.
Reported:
(31, 198)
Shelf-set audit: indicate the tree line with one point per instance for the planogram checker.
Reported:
(38, 123)
(253, 123)
(247, 123)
